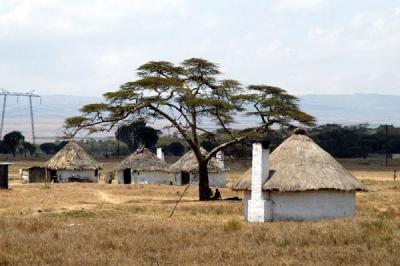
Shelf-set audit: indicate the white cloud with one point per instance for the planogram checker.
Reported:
(300, 4)
(92, 46)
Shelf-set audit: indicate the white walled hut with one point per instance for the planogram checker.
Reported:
(143, 167)
(298, 181)
(186, 168)
(74, 164)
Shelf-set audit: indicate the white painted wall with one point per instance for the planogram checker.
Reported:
(308, 205)
(259, 207)
(217, 180)
(221, 158)
(160, 154)
(147, 177)
(86, 174)
(214, 179)
(24, 175)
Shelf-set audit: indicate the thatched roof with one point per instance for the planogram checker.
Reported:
(143, 160)
(299, 164)
(72, 157)
(188, 163)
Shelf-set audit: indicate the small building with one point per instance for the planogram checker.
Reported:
(187, 167)
(299, 181)
(143, 167)
(72, 163)
(35, 174)
(4, 167)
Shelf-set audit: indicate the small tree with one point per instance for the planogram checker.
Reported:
(13, 140)
(176, 148)
(48, 148)
(184, 96)
(28, 148)
(137, 133)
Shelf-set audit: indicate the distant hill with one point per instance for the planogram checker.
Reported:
(374, 109)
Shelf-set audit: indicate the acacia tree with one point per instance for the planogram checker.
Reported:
(184, 96)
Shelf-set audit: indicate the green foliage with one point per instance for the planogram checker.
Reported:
(175, 148)
(76, 120)
(28, 148)
(105, 148)
(51, 148)
(95, 107)
(12, 140)
(137, 133)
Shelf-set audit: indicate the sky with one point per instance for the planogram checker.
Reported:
(89, 47)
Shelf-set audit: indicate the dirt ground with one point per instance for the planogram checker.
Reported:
(101, 224)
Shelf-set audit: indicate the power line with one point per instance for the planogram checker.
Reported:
(30, 94)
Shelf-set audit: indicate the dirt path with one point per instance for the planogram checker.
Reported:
(106, 199)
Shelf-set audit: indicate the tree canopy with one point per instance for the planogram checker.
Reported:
(137, 133)
(185, 96)
(13, 140)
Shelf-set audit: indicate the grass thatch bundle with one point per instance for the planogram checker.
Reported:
(188, 163)
(299, 164)
(143, 160)
(72, 157)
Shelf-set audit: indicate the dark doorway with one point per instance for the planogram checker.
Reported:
(53, 176)
(4, 176)
(127, 176)
(185, 178)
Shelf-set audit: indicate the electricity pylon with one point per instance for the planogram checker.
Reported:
(30, 94)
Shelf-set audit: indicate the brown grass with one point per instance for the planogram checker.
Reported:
(99, 224)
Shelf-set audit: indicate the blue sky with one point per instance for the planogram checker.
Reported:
(84, 47)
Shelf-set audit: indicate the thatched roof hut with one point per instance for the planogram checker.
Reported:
(143, 160)
(298, 181)
(188, 163)
(73, 158)
(299, 164)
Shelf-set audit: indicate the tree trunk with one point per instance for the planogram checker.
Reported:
(204, 189)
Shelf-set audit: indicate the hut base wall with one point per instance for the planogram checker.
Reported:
(87, 174)
(258, 210)
(298, 206)
(146, 177)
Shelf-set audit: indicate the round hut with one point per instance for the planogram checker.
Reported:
(72, 163)
(143, 167)
(186, 168)
(298, 181)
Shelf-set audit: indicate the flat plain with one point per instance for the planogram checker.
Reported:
(111, 224)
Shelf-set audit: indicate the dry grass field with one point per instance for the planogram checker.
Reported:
(99, 224)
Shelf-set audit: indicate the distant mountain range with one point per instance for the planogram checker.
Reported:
(374, 109)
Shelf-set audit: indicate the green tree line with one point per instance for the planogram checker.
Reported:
(339, 140)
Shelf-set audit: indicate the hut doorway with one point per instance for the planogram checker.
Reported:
(185, 178)
(53, 176)
(127, 176)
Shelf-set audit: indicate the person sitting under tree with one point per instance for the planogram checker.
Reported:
(217, 195)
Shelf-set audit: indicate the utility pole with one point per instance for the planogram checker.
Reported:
(387, 144)
(30, 94)
(2, 115)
